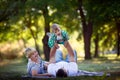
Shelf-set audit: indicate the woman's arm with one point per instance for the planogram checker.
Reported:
(34, 73)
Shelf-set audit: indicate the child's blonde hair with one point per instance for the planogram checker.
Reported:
(54, 26)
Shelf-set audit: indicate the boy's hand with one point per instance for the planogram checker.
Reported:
(56, 45)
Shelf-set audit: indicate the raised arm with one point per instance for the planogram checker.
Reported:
(70, 51)
(52, 53)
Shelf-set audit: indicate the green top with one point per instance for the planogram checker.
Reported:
(53, 38)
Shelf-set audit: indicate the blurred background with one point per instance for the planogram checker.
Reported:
(93, 27)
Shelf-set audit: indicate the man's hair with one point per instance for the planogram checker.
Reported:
(61, 73)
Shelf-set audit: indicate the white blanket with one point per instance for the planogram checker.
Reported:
(87, 73)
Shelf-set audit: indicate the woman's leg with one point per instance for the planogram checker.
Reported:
(58, 55)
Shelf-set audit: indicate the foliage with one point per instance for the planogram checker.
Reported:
(24, 19)
(8, 12)
(104, 15)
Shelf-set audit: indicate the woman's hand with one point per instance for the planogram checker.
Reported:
(35, 73)
(49, 75)
(46, 65)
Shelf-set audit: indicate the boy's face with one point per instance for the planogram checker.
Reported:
(57, 31)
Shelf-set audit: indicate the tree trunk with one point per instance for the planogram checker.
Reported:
(46, 48)
(118, 37)
(36, 45)
(24, 42)
(87, 31)
(28, 24)
(96, 46)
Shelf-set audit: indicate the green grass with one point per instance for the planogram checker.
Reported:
(14, 69)
(95, 65)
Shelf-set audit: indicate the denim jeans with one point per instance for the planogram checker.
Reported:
(59, 56)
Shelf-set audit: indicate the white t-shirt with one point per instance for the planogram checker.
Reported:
(70, 67)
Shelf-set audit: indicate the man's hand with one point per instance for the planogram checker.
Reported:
(56, 45)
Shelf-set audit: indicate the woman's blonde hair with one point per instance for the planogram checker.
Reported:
(29, 51)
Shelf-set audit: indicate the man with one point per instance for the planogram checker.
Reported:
(62, 68)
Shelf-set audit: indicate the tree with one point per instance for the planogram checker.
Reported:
(58, 15)
(110, 15)
(103, 13)
(8, 9)
(29, 12)
(87, 30)
(46, 48)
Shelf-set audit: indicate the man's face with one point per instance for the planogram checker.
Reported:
(57, 31)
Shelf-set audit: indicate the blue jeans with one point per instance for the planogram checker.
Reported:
(59, 56)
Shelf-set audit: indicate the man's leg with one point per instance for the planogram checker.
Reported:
(68, 57)
(58, 55)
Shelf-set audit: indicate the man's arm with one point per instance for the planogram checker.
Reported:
(52, 53)
(70, 51)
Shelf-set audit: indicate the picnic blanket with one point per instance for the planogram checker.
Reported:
(80, 73)
(88, 73)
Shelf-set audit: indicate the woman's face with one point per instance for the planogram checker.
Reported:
(34, 56)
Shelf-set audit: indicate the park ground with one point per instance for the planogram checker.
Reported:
(109, 63)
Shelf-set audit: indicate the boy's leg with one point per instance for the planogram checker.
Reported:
(68, 57)
(58, 55)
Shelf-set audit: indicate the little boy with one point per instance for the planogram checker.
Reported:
(58, 36)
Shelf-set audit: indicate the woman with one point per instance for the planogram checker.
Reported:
(36, 66)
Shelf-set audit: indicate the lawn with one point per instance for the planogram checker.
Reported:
(14, 69)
